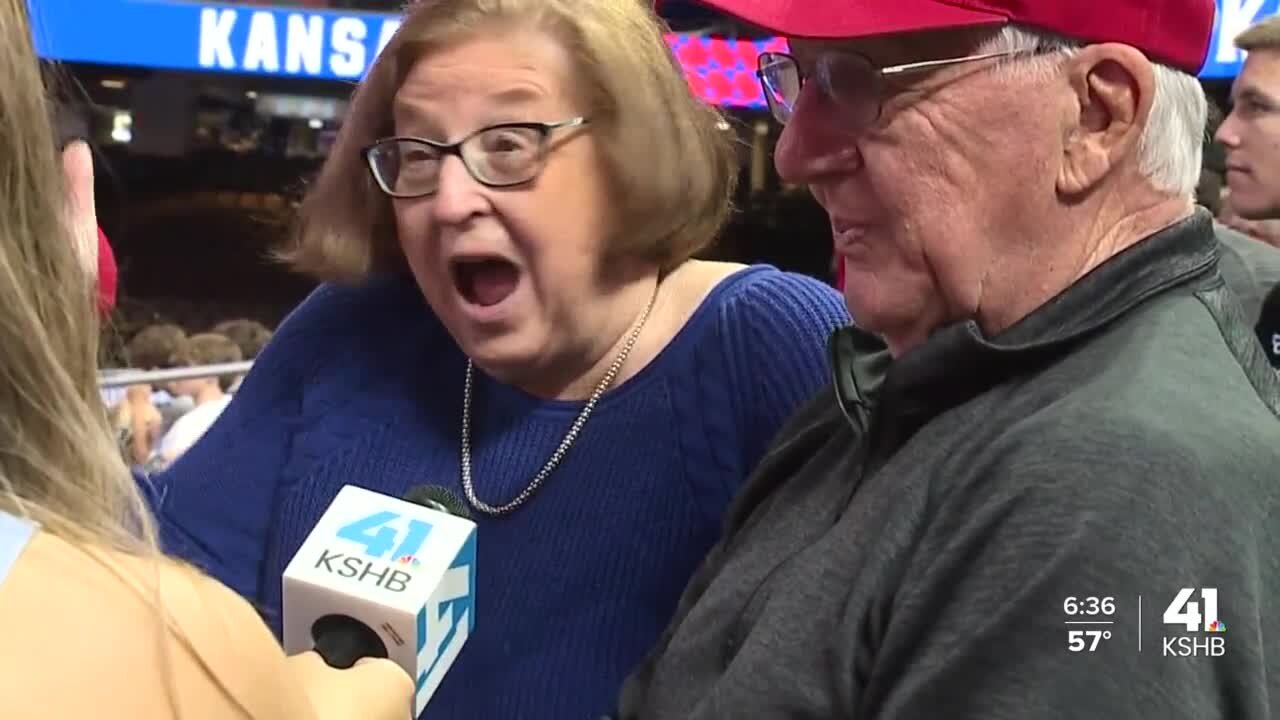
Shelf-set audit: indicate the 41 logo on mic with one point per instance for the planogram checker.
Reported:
(386, 549)
(404, 571)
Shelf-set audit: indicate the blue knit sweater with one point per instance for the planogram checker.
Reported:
(364, 386)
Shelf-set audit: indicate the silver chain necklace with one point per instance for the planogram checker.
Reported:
(578, 423)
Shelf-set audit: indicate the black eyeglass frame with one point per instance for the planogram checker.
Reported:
(544, 130)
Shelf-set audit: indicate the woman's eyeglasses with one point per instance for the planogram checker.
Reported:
(496, 156)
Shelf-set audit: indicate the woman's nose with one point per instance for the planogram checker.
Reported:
(458, 195)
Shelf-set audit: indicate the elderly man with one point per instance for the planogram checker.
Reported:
(1054, 496)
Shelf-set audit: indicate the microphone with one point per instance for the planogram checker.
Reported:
(438, 498)
(386, 578)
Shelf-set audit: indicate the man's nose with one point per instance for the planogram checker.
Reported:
(1228, 133)
(459, 197)
(809, 149)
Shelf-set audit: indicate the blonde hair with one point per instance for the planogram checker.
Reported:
(59, 463)
(672, 165)
(1260, 36)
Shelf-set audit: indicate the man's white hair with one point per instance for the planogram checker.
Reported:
(1170, 150)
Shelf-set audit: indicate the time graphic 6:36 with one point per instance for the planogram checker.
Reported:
(1091, 606)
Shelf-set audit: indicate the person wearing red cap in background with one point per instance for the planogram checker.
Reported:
(131, 409)
(1051, 413)
(99, 260)
(108, 276)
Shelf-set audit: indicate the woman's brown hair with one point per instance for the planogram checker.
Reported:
(671, 160)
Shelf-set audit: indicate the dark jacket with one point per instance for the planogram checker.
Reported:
(1251, 269)
(924, 539)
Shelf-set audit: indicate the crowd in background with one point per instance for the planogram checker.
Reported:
(157, 423)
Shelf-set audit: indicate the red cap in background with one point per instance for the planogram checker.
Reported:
(108, 276)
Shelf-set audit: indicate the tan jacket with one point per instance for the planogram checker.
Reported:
(84, 638)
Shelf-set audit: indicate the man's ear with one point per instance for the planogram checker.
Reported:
(1113, 87)
(81, 214)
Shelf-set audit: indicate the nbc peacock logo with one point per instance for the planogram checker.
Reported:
(1216, 626)
(408, 561)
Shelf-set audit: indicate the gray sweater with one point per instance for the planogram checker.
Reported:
(926, 539)
(1252, 271)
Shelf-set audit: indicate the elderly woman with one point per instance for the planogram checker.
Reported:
(506, 223)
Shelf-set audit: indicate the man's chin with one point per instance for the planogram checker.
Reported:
(1250, 206)
(1259, 213)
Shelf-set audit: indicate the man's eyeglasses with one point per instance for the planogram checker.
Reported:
(850, 82)
(496, 156)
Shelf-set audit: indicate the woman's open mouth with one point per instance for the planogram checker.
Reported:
(484, 281)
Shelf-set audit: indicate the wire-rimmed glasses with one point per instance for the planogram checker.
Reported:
(851, 84)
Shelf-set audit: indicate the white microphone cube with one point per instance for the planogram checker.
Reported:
(404, 570)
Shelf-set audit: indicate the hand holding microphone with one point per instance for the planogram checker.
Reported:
(372, 689)
(381, 577)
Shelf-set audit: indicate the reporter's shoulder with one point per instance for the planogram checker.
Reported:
(146, 636)
(230, 644)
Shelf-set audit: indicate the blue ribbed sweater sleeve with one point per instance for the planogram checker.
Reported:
(776, 332)
(220, 520)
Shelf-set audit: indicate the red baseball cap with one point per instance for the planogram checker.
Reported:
(1174, 32)
(108, 275)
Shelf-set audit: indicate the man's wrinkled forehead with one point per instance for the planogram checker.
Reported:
(898, 49)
